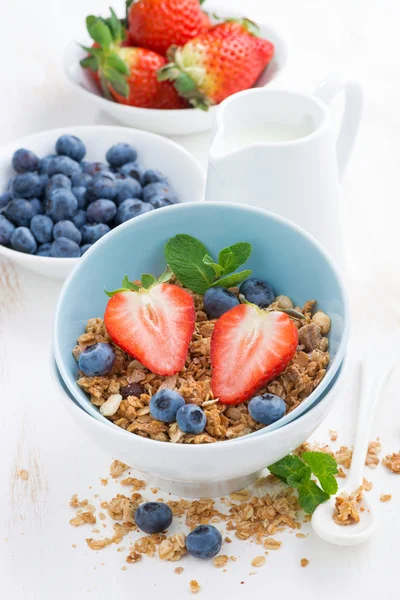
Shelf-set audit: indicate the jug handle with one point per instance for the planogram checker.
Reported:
(326, 91)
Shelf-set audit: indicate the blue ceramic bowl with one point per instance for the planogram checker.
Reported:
(283, 254)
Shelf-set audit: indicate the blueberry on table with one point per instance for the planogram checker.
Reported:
(127, 188)
(6, 230)
(92, 233)
(102, 185)
(70, 145)
(96, 359)
(91, 168)
(57, 182)
(101, 211)
(85, 247)
(80, 218)
(22, 240)
(63, 165)
(26, 185)
(44, 164)
(153, 517)
(67, 229)
(37, 206)
(204, 541)
(162, 189)
(191, 419)
(165, 404)
(43, 249)
(158, 201)
(24, 161)
(217, 301)
(154, 176)
(133, 169)
(267, 408)
(5, 199)
(120, 154)
(20, 212)
(80, 179)
(131, 208)
(80, 194)
(42, 228)
(64, 248)
(257, 291)
(61, 205)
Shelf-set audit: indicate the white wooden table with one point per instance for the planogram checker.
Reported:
(37, 557)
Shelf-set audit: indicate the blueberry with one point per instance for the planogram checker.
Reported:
(64, 248)
(91, 168)
(10, 183)
(63, 165)
(23, 240)
(5, 199)
(24, 160)
(20, 212)
(103, 185)
(80, 179)
(66, 229)
(43, 249)
(204, 541)
(101, 211)
(191, 419)
(92, 233)
(37, 206)
(217, 301)
(128, 188)
(132, 389)
(162, 189)
(267, 408)
(44, 180)
(131, 208)
(85, 248)
(165, 404)
(42, 228)
(79, 219)
(26, 185)
(133, 169)
(57, 182)
(257, 291)
(70, 145)
(120, 154)
(158, 201)
(44, 163)
(96, 359)
(81, 196)
(6, 230)
(154, 176)
(153, 517)
(62, 205)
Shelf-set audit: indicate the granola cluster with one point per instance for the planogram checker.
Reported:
(123, 395)
(347, 508)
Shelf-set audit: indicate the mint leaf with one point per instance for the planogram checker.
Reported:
(311, 496)
(233, 257)
(325, 468)
(287, 466)
(185, 254)
(303, 475)
(148, 280)
(208, 260)
(231, 280)
(166, 276)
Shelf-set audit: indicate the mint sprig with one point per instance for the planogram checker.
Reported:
(297, 472)
(196, 269)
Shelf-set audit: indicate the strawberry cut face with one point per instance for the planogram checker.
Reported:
(249, 347)
(155, 326)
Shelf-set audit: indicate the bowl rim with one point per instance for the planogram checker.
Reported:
(246, 439)
(335, 364)
(7, 149)
(225, 13)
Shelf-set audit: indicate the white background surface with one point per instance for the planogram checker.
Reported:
(357, 38)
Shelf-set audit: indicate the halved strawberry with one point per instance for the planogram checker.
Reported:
(249, 347)
(153, 323)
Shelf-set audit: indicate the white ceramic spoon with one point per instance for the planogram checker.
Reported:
(376, 366)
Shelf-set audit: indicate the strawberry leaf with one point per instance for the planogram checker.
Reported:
(148, 280)
(90, 20)
(100, 33)
(118, 64)
(233, 257)
(127, 286)
(115, 26)
(89, 62)
(208, 260)
(231, 280)
(116, 80)
(166, 276)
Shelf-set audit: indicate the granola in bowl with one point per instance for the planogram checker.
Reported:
(134, 375)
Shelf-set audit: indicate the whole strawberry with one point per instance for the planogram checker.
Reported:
(125, 74)
(224, 60)
(157, 24)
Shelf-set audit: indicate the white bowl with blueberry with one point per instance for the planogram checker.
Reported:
(62, 190)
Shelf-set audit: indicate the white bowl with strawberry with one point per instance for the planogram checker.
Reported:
(167, 71)
(186, 378)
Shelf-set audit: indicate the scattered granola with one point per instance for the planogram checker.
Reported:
(385, 497)
(367, 485)
(304, 562)
(178, 570)
(117, 468)
(258, 561)
(374, 449)
(137, 484)
(133, 557)
(220, 561)
(194, 586)
(392, 462)
(272, 544)
(23, 474)
(104, 481)
(333, 435)
(172, 548)
(346, 508)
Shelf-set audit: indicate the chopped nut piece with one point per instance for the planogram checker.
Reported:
(23, 474)
(385, 497)
(111, 406)
(178, 570)
(272, 544)
(392, 462)
(117, 468)
(220, 561)
(304, 562)
(194, 586)
(228, 540)
(323, 321)
(283, 302)
(258, 561)
(367, 485)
